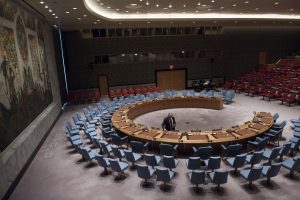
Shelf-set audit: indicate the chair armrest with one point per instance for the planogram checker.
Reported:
(223, 147)
(194, 149)
(146, 144)
(175, 147)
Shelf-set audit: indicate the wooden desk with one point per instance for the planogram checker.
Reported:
(122, 121)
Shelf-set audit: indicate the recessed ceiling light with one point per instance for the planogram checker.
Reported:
(141, 0)
(126, 11)
(98, 20)
(56, 17)
(46, 6)
(165, 8)
(133, 4)
(171, 22)
(137, 12)
(222, 7)
(170, 6)
(84, 15)
(95, 22)
(74, 8)
(147, 3)
(246, 1)
(209, 9)
(135, 54)
(193, 22)
(42, 2)
(101, 4)
(184, 5)
(67, 12)
(79, 18)
(256, 8)
(196, 11)
(120, 23)
(157, 5)
(291, 9)
(254, 22)
(108, 7)
(204, 5)
(117, 9)
(276, 3)
(50, 10)
(148, 22)
(234, 5)
(235, 22)
(53, 14)
(199, 4)
(215, 22)
(290, 22)
(212, 1)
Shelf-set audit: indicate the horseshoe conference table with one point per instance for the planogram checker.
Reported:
(123, 118)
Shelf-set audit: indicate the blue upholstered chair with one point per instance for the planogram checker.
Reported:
(213, 163)
(203, 152)
(251, 175)
(75, 142)
(118, 153)
(117, 140)
(138, 147)
(285, 149)
(274, 135)
(297, 134)
(237, 161)
(152, 160)
(271, 154)
(170, 162)
(117, 166)
(103, 162)
(254, 158)
(106, 148)
(275, 117)
(145, 172)
(271, 171)
(164, 175)
(197, 177)
(258, 144)
(168, 149)
(132, 157)
(295, 144)
(218, 177)
(280, 125)
(89, 155)
(232, 150)
(292, 164)
(193, 163)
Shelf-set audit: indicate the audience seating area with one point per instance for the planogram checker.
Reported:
(282, 82)
(83, 96)
(116, 153)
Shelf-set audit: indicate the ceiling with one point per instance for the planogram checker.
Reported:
(80, 14)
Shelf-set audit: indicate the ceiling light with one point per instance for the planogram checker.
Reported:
(209, 9)
(165, 8)
(56, 17)
(212, 1)
(148, 22)
(126, 11)
(290, 22)
(147, 3)
(196, 11)
(120, 23)
(222, 7)
(133, 4)
(193, 22)
(276, 3)
(157, 5)
(141, 0)
(42, 2)
(67, 12)
(74, 8)
(117, 9)
(246, 1)
(46, 6)
(291, 9)
(171, 22)
(50, 10)
(135, 54)
(215, 22)
(79, 18)
(184, 5)
(98, 20)
(84, 15)
(53, 14)
(101, 4)
(95, 22)
(182, 51)
(234, 5)
(199, 3)
(204, 5)
(108, 7)
(170, 6)
(137, 12)
(235, 22)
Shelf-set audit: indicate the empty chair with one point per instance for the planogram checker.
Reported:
(170, 162)
(74, 142)
(231, 150)
(152, 160)
(292, 164)
(117, 166)
(254, 158)
(132, 157)
(271, 154)
(252, 174)
(145, 172)
(218, 177)
(274, 135)
(213, 163)
(285, 149)
(119, 153)
(258, 144)
(106, 147)
(164, 175)
(103, 162)
(138, 147)
(271, 171)
(117, 140)
(278, 126)
(275, 117)
(193, 163)
(89, 155)
(197, 177)
(237, 161)
(167, 149)
(295, 144)
(203, 152)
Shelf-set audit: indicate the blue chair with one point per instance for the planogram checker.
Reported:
(203, 93)
(295, 144)
(119, 153)
(152, 160)
(117, 166)
(254, 158)
(271, 154)
(197, 177)
(132, 157)
(229, 96)
(103, 162)
(213, 163)
(285, 149)
(117, 140)
(275, 117)
(203, 152)
(296, 134)
(271, 171)
(231, 150)
(75, 142)
(193, 163)
(237, 161)
(164, 175)
(278, 126)
(167, 149)
(145, 172)
(106, 148)
(258, 144)
(89, 155)
(138, 147)
(218, 177)
(251, 175)
(292, 165)
(274, 135)
(170, 162)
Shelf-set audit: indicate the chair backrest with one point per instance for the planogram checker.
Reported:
(256, 157)
(285, 148)
(234, 150)
(129, 155)
(296, 165)
(198, 177)
(162, 174)
(239, 160)
(150, 159)
(143, 171)
(137, 147)
(214, 162)
(275, 153)
(254, 173)
(85, 154)
(169, 161)
(275, 117)
(116, 139)
(220, 176)
(116, 151)
(194, 163)
(114, 164)
(273, 170)
(101, 161)
(204, 152)
(166, 149)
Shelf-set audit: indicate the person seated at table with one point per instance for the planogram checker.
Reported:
(169, 123)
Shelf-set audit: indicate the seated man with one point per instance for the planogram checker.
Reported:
(169, 123)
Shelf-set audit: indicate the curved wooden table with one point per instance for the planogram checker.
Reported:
(122, 121)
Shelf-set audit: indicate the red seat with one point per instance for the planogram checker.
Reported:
(269, 94)
(125, 92)
(137, 90)
(118, 92)
(112, 93)
(131, 91)
(97, 95)
(261, 90)
(290, 98)
(252, 90)
(144, 90)
(283, 97)
(228, 85)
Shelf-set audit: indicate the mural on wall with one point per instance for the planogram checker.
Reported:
(25, 90)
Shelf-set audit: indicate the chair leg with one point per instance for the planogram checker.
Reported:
(268, 180)
(250, 184)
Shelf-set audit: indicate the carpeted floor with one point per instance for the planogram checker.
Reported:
(57, 171)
